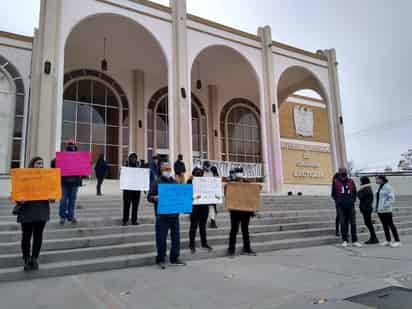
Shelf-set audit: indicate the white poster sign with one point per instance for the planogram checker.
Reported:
(207, 190)
(303, 121)
(134, 179)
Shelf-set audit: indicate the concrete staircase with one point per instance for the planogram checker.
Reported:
(99, 243)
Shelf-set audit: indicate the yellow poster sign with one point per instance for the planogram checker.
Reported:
(242, 196)
(36, 184)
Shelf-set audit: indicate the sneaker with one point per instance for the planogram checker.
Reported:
(162, 265)
(249, 253)
(213, 224)
(62, 221)
(385, 244)
(27, 265)
(372, 242)
(135, 223)
(192, 249)
(34, 264)
(207, 247)
(231, 254)
(124, 223)
(345, 244)
(178, 262)
(73, 221)
(396, 244)
(357, 244)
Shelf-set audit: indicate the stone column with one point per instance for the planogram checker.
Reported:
(47, 88)
(336, 109)
(213, 123)
(181, 94)
(138, 116)
(269, 110)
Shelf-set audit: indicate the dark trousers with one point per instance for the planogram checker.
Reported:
(337, 220)
(32, 230)
(163, 225)
(239, 218)
(348, 217)
(367, 218)
(198, 218)
(387, 222)
(99, 185)
(130, 198)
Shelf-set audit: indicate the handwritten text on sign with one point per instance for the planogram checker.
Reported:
(134, 179)
(207, 190)
(35, 184)
(74, 163)
(175, 199)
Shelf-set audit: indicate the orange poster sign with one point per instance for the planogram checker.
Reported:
(35, 184)
(242, 196)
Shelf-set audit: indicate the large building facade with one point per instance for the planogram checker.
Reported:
(122, 76)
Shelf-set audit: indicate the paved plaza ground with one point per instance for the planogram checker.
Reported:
(282, 279)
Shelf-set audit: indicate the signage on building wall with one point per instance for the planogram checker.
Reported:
(304, 122)
(305, 147)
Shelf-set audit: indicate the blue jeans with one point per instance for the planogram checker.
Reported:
(68, 201)
(163, 225)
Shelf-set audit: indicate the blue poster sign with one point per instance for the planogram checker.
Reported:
(175, 199)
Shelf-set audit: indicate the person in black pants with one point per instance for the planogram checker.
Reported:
(100, 169)
(241, 218)
(198, 218)
(385, 197)
(131, 197)
(33, 216)
(365, 195)
(337, 219)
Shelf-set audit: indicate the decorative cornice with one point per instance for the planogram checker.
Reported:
(17, 37)
(153, 5)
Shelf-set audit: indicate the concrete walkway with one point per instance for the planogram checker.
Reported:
(283, 279)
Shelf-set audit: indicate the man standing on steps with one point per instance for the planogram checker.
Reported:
(180, 169)
(344, 194)
(164, 223)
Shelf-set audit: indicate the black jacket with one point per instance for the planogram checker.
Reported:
(154, 191)
(179, 168)
(101, 168)
(344, 192)
(34, 211)
(365, 195)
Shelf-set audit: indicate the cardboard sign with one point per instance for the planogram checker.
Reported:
(242, 196)
(207, 190)
(134, 179)
(36, 184)
(174, 199)
(76, 163)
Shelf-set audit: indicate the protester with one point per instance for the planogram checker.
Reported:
(154, 169)
(180, 169)
(344, 194)
(164, 223)
(70, 186)
(131, 197)
(239, 218)
(33, 216)
(365, 195)
(207, 172)
(100, 169)
(337, 221)
(385, 197)
(198, 218)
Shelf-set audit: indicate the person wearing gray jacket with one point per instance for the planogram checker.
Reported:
(385, 197)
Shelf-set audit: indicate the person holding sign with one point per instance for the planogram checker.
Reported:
(198, 218)
(165, 222)
(240, 215)
(131, 197)
(33, 216)
(70, 186)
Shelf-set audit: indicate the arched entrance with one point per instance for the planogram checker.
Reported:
(111, 62)
(158, 126)
(12, 119)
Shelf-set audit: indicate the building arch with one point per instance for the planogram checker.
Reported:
(96, 116)
(240, 129)
(12, 93)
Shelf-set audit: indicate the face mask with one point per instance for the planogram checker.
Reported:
(167, 174)
(344, 175)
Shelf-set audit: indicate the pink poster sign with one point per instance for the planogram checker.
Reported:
(74, 163)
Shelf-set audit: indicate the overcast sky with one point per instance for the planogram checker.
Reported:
(373, 41)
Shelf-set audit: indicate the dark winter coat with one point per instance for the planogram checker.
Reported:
(101, 168)
(344, 192)
(179, 168)
(365, 195)
(34, 211)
